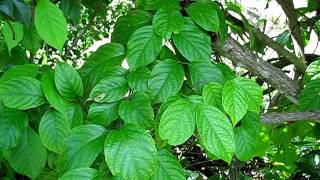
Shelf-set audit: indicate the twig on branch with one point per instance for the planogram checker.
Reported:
(276, 118)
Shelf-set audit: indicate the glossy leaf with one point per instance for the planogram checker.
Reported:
(54, 129)
(138, 79)
(81, 174)
(103, 113)
(138, 111)
(130, 148)
(21, 93)
(51, 24)
(165, 80)
(177, 122)
(26, 70)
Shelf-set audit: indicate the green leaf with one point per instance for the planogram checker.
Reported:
(75, 115)
(13, 124)
(234, 101)
(13, 34)
(205, 15)
(138, 111)
(166, 22)
(192, 43)
(168, 167)
(51, 24)
(157, 4)
(110, 89)
(212, 95)
(254, 93)
(138, 79)
(21, 93)
(312, 72)
(81, 174)
(129, 23)
(54, 128)
(29, 157)
(310, 96)
(68, 81)
(143, 47)
(31, 40)
(130, 153)
(26, 70)
(247, 136)
(165, 80)
(216, 132)
(203, 73)
(84, 145)
(22, 11)
(71, 9)
(103, 113)
(227, 73)
(177, 123)
(52, 94)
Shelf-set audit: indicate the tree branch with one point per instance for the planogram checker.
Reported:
(276, 118)
(245, 58)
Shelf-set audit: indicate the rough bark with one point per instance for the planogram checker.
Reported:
(276, 118)
(245, 58)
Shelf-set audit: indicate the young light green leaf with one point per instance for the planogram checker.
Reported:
(54, 128)
(202, 73)
(192, 43)
(234, 101)
(103, 113)
(247, 136)
(177, 123)
(165, 80)
(29, 157)
(310, 96)
(143, 47)
(138, 111)
(312, 72)
(13, 125)
(130, 153)
(51, 24)
(68, 81)
(25, 70)
(254, 93)
(21, 93)
(52, 94)
(129, 23)
(168, 167)
(81, 174)
(216, 132)
(13, 34)
(110, 89)
(212, 95)
(83, 146)
(166, 22)
(205, 15)
(138, 79)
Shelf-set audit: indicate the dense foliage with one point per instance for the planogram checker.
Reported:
(160, 101)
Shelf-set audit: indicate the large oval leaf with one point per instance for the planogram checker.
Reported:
(84, 145)
(68, 81)
(168, 167)
(167, 21)
(29, 157)
(13, 125)
(310, 96)
(216, 132)
(26, 70)
(165, 80)
(137, 110)
(192, 43)
(234, 101)
(51, 24)
(130, 153)
(177, 123)
(247, 136)
(54, 129)
(103, 113)
(81, 174)
(21, 93)
(143, 47)
(110, 89)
